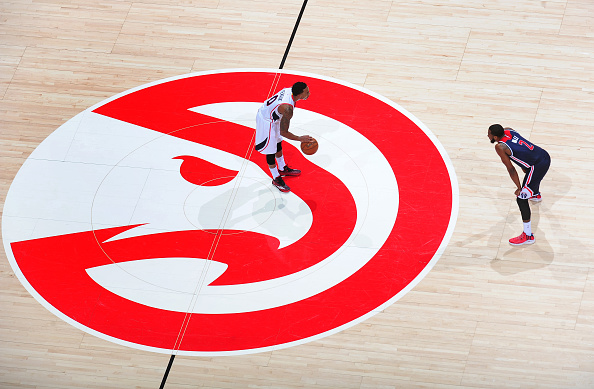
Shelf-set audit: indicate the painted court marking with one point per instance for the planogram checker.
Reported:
(115, 222)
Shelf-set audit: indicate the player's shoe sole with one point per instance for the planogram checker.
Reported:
(536, 198)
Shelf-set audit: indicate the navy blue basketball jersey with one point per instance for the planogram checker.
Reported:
(523, 152)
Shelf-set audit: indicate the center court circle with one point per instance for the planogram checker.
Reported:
(120, 189)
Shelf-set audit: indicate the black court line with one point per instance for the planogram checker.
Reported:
(293, 34)
(167, 371)
(170, 364)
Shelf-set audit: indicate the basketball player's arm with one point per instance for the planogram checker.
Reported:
(287, 111)
(502, 152)
(511, 129)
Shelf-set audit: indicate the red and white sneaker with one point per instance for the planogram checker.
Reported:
(522, 239)
(280, 184)
(287, 171)
(537, 198)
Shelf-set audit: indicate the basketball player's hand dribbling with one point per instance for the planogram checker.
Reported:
(305, 139)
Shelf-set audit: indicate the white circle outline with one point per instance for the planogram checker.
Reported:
(412, 284)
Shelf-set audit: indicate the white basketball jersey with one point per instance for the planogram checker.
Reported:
(269, 110)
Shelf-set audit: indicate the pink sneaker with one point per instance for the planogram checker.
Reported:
(537, 198)
(522, 239)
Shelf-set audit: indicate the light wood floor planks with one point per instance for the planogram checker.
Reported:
(487, 316)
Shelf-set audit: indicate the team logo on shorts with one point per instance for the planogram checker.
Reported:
(150, 221)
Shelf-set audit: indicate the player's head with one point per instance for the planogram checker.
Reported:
(495, 133)
(300, 91)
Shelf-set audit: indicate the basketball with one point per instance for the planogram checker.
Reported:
(309, 148)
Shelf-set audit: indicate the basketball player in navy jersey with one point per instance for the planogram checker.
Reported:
(272, 123)
(533, 160)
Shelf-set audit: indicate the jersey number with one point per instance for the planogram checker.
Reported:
(271, 100)
(521, 142)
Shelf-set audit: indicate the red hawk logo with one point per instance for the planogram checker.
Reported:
(148, 219)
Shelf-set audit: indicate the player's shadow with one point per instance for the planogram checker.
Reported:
(555, 187)
(500, 263)
(540, 255)
(235, 198)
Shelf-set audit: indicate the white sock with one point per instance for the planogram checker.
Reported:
(527, 229)
(280, 162)
(274, 172)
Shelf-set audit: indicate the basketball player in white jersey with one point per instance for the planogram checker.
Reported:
(272, 123)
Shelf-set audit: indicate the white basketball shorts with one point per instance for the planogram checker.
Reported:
(267, 135)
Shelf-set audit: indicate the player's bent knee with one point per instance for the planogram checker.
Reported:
(270, 159)
(525, 193)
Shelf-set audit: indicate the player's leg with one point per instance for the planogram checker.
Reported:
(527, 237)
(267, 135)
(283, 168)
(530, 191)
(280, 160)
(272, 165)
(540, 170)
(277, 180)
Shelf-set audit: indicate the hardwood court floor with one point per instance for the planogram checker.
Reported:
(488, 315)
